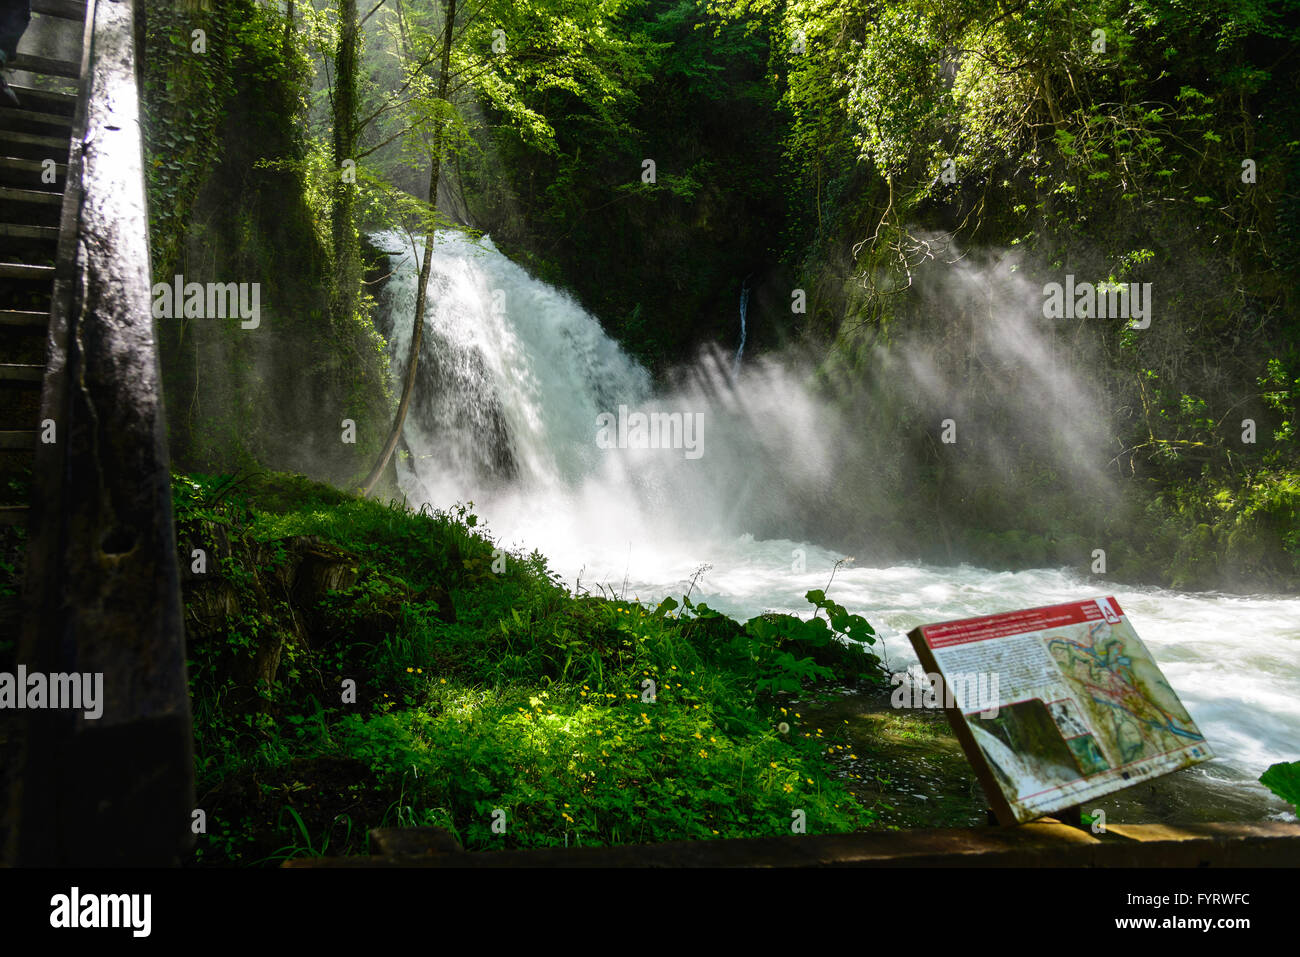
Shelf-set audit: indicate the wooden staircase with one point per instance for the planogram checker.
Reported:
(34, 146)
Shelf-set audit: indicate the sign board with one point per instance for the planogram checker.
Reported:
(1079, 708)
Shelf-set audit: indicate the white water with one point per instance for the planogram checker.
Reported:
(513, 376)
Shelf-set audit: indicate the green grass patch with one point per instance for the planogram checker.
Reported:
(356, 664)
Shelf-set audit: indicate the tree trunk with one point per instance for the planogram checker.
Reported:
(347, 261)
(426, 265)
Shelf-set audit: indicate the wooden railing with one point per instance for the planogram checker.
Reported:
(102, 592)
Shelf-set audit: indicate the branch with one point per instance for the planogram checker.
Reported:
(370, 14)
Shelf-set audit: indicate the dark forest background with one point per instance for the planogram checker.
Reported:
(919, 170)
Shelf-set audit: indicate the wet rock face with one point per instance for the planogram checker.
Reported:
(455, 404)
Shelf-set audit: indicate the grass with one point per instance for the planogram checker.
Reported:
(431, 679)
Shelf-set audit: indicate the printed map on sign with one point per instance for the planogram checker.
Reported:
(1082, 709)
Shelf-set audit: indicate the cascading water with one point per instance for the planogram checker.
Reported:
(511, 375)
(514, 375)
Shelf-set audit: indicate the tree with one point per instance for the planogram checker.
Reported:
(507, 55)
(426, 263)
(347, 263)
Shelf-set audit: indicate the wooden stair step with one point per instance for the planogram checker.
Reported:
(11, 194)
(32, 173)
(37, 139)
(25, 271)
(16, 372)
(44, 234)
(65, 9)
(22, 318)
(21, 164)
(14, 514)
(38, 146)
(46, 66)
(52, 101)
(12, 117)
(18, 440)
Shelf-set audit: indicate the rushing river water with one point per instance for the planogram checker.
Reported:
(516, 384)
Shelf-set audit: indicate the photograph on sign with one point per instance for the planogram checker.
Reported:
(1081, 708)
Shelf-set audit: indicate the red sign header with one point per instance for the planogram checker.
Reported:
(1019, 622)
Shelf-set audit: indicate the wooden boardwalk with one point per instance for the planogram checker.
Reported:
(1044, 843)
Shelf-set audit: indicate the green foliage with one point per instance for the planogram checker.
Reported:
(788, 652)
(182, 124)
(1282, 397)
(1283, 779)
(1121, 162)
(555, 169)
(599, 773)
(307, 846)
(589, 720)
(236, 194)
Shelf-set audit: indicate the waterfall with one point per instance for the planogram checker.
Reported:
(512, 373)
(514, 377)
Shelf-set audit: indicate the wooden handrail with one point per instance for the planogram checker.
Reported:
(102, 592)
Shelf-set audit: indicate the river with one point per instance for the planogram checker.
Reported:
(514, 381)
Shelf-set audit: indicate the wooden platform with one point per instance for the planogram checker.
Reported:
(1045, 843)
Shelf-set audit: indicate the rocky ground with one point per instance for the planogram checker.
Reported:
(907, 765)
